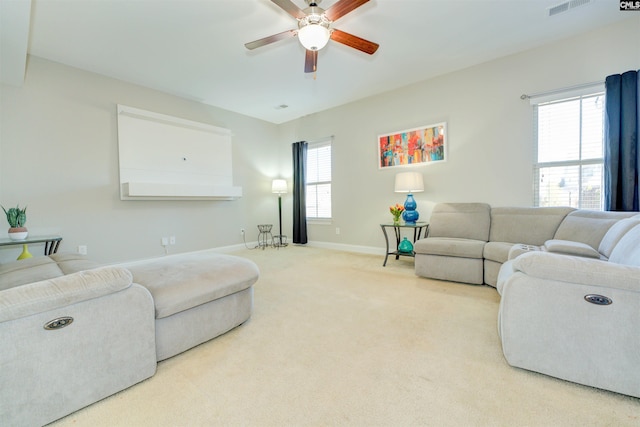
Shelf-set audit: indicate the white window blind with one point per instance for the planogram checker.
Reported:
(569, 151)
(319, 180)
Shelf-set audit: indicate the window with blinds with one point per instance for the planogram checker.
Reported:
(569, 151)
(319, 181)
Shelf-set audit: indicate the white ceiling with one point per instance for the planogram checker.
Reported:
(195, 48)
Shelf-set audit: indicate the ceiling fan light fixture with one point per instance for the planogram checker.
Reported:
(314, 36)
(315, 29)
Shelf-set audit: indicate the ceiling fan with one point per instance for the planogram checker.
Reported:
(314, 29)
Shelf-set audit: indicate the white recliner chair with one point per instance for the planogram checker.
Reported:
(454, 247)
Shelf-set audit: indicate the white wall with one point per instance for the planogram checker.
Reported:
(60, 158)
(489, 130)
(58, 150)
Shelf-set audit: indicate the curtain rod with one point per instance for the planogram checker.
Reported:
(324, 138)
(552, 92)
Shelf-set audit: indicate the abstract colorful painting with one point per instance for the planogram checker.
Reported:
(417, 146)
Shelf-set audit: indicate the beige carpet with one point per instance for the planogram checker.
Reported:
(338, 340)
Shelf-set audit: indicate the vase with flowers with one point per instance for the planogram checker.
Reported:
(16, 218)
(396, 210)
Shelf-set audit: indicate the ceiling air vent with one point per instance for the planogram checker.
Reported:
(564, 7)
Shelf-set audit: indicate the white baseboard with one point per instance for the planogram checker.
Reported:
(370, 250)
(235, 248)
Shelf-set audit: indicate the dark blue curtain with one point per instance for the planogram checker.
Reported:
(299, 192)
(622, 154)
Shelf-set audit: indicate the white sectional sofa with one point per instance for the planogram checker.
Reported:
(469, 242)
(72, 332)
(569, 282)
(576, 317)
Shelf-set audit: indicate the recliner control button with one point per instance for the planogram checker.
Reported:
(598, 299)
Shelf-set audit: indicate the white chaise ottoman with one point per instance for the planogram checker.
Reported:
(197, 295)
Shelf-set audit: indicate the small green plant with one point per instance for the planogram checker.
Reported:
(16, 217)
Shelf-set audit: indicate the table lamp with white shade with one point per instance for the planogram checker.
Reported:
(409, 182)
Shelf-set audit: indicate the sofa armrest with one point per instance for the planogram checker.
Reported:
(568, 247)
(580, 270)
(38, 297)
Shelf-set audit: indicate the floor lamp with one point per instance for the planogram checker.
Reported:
(279, 187)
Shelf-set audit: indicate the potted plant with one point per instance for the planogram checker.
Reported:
(17, 218)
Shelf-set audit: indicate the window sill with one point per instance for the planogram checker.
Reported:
(319, 221)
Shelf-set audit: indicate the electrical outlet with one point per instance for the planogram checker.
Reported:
(242, 231)
(82, 249)
(172, 240)
(337, 230)
(164, 241)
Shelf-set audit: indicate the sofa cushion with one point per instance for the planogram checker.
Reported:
(587, 226)
(28, 270)
(532, 226)
(627, 251)
(183, 281)
(460, 220)
(615, 233)
(497, 251)
(449, 246)
(568, 247)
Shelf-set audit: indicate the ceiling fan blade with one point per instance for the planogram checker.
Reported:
(271, 39)
(342, 7)
(290, 8)
(311, 61)
(354, 41)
